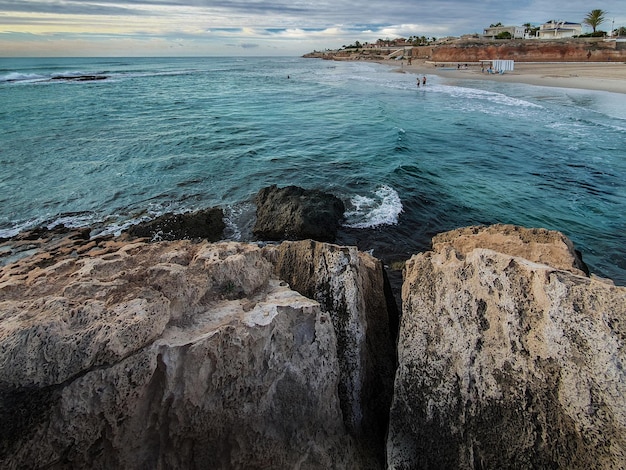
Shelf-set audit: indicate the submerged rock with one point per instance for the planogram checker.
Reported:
(79, 78)
(509, 357)
(294, 213)
(176, 355)
(207, 224)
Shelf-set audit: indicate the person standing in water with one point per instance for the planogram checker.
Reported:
(423, 80)
(418, 82)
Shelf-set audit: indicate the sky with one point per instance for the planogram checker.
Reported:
(109, 28)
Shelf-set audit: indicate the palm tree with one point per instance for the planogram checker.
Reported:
(594, 18)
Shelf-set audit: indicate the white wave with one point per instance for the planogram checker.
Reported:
(21, 77)
(77, 220)
(69, 73)
(239, 219)
(489, 96)
(74, 220)
(383, 208)
(20, 227)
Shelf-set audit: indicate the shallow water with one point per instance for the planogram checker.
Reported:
(164, 135)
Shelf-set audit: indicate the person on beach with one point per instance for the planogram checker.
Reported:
(423, 80)
(418, 82)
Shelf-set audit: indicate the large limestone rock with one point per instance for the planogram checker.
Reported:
(351, 285)
(170, 355)
(507, 361)
(536, 244)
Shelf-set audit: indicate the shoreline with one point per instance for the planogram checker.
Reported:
(595, 76)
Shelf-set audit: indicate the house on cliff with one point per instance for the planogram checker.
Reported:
(559, 30)
(516, 32)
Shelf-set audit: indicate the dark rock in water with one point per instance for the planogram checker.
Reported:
(207, 224)
(294, 213)
(41, 232)
(80, 78)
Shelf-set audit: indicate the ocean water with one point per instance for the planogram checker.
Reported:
(160, 135)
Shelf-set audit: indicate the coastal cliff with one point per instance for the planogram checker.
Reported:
(474, 50)
(118, 353)
(564, 50)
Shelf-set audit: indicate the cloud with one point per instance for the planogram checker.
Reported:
(260, 26)
(245, 45)
(68, 7)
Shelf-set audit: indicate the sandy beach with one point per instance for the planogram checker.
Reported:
(603, 76)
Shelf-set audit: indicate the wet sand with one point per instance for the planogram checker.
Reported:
(603, 76)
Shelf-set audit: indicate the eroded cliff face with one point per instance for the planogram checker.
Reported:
(575, 50)
(506, 361)
(169, 355)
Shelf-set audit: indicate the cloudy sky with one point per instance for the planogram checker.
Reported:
(258, 27)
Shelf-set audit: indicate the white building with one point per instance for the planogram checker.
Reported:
(516, 32)
(559, 29)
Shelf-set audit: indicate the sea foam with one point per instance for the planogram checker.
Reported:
(21, 77)
(382, 208)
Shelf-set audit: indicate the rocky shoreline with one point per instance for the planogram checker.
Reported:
(126, 352)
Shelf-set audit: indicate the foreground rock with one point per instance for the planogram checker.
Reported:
(207, 224)
(536, 244)
(182, 355)
(506, 361)
(293, 213)
(350, 284)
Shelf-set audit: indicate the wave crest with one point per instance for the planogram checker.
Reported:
(383, 208)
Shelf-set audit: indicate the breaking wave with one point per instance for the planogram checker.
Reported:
(381, 208)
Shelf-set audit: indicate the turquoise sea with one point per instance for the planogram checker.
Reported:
(178, 134)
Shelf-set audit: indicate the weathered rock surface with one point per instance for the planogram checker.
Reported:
(506, 361)
(188, 354)
(294, 213)
(350, 284)
(207, 224)
(534, 244)
(176, 355)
